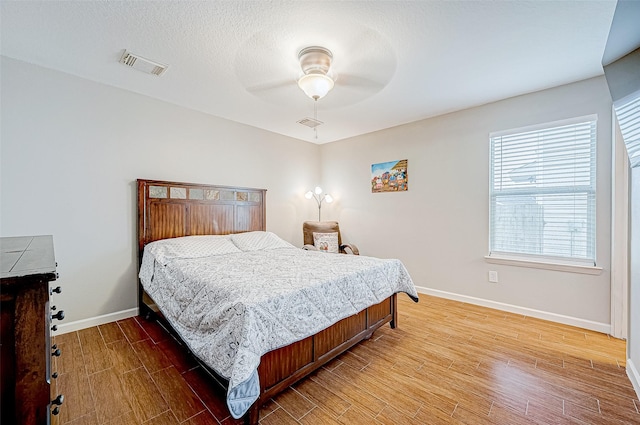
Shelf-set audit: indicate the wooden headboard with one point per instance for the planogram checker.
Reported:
(172, 209)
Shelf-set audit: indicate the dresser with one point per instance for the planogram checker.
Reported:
(28, 267)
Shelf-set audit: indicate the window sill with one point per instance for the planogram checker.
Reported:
(547, 265)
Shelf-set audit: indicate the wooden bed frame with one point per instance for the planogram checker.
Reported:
(170, 209)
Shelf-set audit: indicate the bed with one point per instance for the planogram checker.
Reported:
(277, 351)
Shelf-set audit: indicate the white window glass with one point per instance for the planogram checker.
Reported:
(543, 191)
(628, 115)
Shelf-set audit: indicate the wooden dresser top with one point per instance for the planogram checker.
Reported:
(27, 256)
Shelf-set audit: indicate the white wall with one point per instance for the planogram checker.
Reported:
(633, 347)
(623, 79)
(622, 75)
(439, 228)
(619, 235)
(72, 149)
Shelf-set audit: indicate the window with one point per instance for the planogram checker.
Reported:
(628, 114)
(543, 192)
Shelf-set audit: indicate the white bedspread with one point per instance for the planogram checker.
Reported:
(232, 308)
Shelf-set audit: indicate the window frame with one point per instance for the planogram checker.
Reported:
(532, 260)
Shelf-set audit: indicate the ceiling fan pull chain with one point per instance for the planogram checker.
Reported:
(315, 116)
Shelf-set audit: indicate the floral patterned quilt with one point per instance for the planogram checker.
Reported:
(232, 307)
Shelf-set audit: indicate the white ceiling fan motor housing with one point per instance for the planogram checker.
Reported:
(315, 60)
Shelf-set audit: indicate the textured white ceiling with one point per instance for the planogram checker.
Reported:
(396, 61)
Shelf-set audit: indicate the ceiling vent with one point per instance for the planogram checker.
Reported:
(310, 122)
(142, 64)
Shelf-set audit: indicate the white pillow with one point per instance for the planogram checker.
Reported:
(254, 241)
(326, 242)
(165, 250)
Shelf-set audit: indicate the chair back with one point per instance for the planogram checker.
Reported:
(309, 227)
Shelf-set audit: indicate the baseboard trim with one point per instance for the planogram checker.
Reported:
(538, 314)
(634, 377)
(559, 318)
(64, 328)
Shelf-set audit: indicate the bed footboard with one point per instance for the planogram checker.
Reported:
(285, 366)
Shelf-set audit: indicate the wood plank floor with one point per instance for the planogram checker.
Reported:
(446, 363)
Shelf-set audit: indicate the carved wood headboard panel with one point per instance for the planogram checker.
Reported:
(172, 209)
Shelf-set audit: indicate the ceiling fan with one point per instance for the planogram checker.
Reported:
(315, 62)
(316, 82)
(359, 73)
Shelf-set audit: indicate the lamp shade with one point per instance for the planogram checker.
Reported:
(316, 86)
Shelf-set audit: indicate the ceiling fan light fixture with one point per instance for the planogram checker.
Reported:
(316, 86)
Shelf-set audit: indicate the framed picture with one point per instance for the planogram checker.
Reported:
(389, 176)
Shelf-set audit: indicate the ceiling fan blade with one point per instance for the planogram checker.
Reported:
(365, 63)
(358, 82)
(262, 87)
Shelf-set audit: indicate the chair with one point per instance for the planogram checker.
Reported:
(311, 227)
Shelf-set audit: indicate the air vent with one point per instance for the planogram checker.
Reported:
(142, 64)
(310, 122)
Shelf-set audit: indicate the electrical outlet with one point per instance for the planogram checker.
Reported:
(493, 276)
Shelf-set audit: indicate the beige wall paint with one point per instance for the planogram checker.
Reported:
(72, 149)
(439, 228)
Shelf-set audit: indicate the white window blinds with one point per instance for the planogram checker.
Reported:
(629, 119)
(543, 191)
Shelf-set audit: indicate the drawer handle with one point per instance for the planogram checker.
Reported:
(56, 353)
(57, 290)
(58, 400)
(59, 315)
